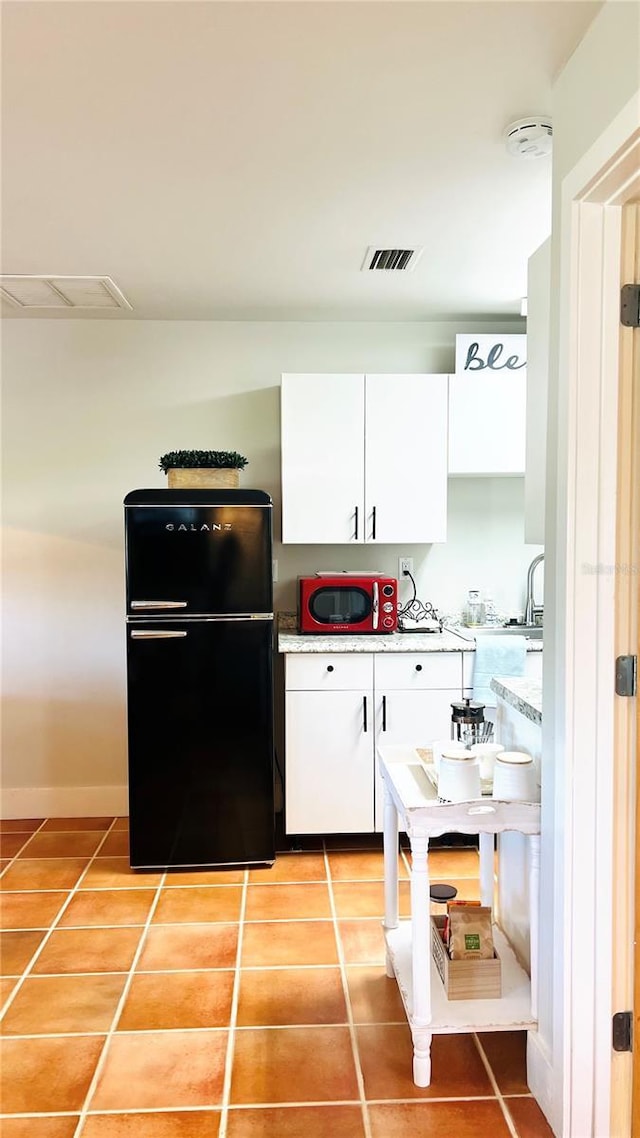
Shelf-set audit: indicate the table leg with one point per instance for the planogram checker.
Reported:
(421, 1056)
(421, 961)
(486, 869)
(390, 837)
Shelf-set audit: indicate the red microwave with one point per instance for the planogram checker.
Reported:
(351, 603)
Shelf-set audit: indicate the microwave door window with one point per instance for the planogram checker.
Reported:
(340, 606)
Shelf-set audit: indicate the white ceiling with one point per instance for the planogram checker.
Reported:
(234, 160)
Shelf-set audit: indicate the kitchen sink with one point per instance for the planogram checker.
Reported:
(531, 631)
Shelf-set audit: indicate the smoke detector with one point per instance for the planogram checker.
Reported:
(529, 138)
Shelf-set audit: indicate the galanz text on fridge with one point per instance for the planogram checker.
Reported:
(204, 528)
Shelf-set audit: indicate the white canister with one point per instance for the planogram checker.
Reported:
(486, 754)
(441, 745)
(514, 777)
(458, 776)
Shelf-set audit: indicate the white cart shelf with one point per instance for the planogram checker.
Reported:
(410, 794)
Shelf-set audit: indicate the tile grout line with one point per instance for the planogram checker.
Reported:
(494, 1083)
(233, 1016)
(116, 1016)
(199, 1030)
(78, 972)
(294, 1105)
(52, 925)
(366, 1122)
(206, 885)
(17, 855)
(178, 924)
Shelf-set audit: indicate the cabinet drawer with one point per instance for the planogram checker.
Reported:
(329, 671)
(419, 670)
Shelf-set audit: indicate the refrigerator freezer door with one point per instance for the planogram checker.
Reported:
(197, 553)
(200, 742)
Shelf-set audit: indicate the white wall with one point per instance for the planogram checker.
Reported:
(89, 406)
(539, 304)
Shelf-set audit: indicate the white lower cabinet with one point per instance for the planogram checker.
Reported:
(338, 707)
(410, 717)
(329, 788)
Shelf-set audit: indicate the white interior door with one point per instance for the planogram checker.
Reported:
(406, 458)
(322, 431)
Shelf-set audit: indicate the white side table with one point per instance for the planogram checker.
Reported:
(410, 794)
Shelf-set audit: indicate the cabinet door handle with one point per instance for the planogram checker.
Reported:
(373, 523)
(384, 713)
(364, 713)
(418, 667)
(355, 515)
(329, 667)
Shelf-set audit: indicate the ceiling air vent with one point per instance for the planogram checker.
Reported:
(26, 291)
(391, 260)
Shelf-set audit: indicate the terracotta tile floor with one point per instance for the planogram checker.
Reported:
(224, 1005)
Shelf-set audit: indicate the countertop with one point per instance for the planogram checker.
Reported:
(289, 640)
(523, 694)
(389, 642)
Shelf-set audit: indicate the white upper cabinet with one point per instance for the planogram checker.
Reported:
(364, 458)
(539, 302)
(488, 406)
(322, 430)
(405, 486)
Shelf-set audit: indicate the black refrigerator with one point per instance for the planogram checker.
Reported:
(199, 677)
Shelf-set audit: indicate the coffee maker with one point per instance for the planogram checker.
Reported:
(468, 724)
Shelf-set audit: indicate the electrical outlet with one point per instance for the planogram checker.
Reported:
(405, 565)
(274, 570)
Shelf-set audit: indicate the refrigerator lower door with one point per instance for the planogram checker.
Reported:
(200, 724)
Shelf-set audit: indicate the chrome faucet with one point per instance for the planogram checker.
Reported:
(531, 610)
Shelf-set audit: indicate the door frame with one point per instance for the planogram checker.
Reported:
(625, 1070)
(578, 697)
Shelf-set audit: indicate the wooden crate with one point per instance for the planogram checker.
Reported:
(465, 979)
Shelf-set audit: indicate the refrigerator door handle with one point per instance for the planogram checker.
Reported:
(139, 634)
(159, 604)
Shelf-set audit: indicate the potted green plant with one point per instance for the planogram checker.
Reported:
(203, 469)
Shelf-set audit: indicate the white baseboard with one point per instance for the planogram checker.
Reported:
(64, 802)
(541, 1081)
